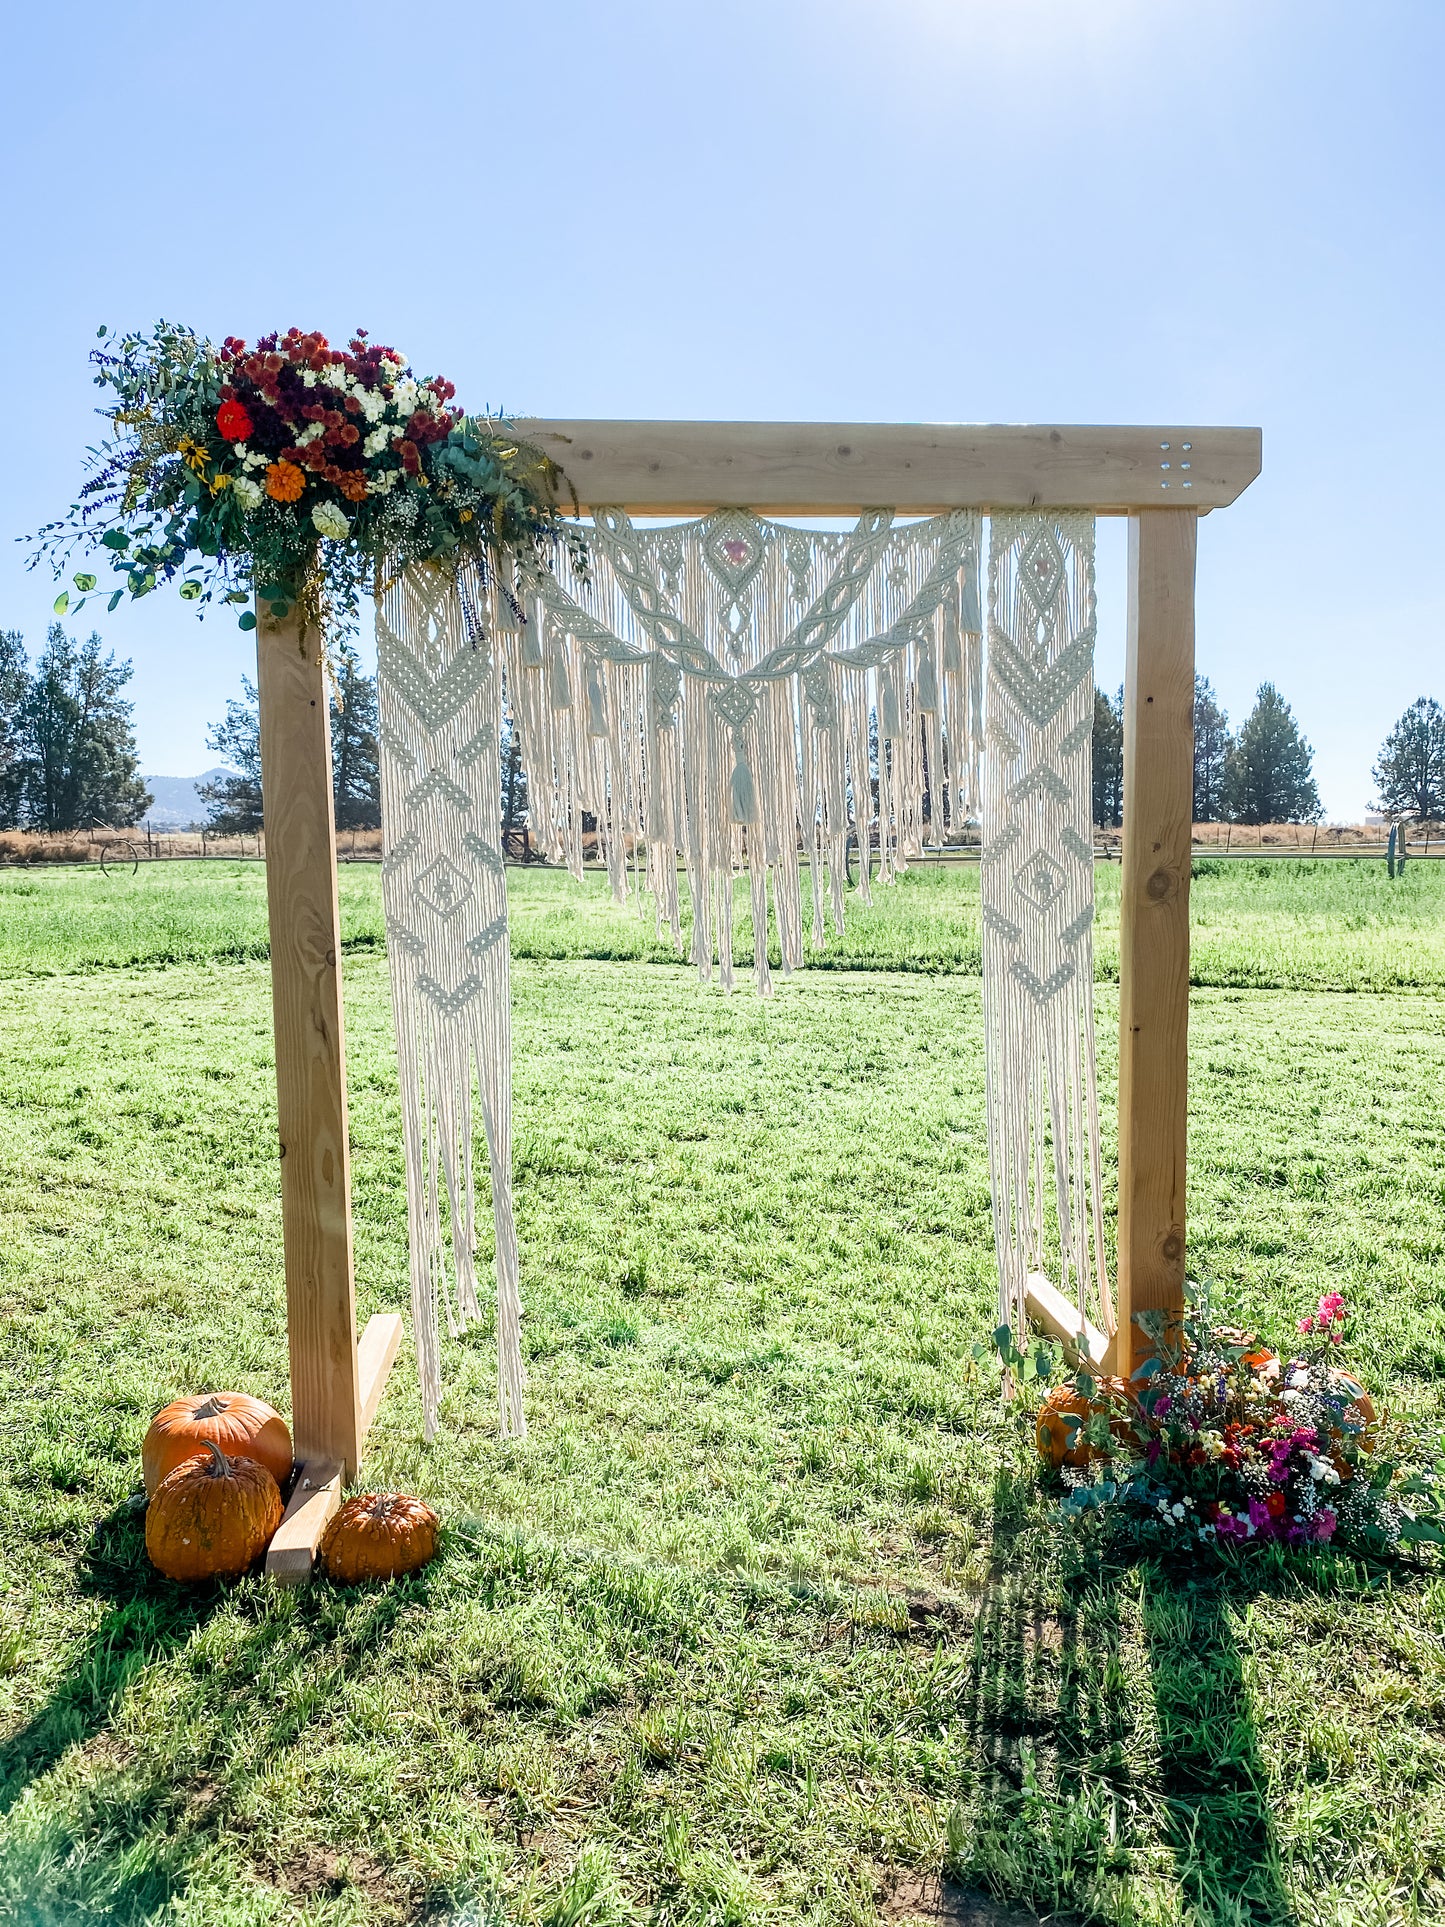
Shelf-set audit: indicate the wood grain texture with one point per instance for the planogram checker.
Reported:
(375, 1356)
(310, 1053)
(1051, 1312)
(315, 1498)
(837, 468)
(1154, 921)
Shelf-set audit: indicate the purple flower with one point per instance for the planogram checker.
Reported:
(1162, 1405)
(1323, 1523)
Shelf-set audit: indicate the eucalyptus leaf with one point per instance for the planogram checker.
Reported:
(115, 601)
(247, 621)
(85, 582)
(61, 602)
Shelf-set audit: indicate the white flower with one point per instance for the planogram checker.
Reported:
(308, 376)
(1322, 1470)
(373, 403)
(246, 493)
(238, 449)
(375, 441)
(1298, 1380)
(404, 396)
(329, 520)
(384, 483)
(1177, 1510)
(313, 431)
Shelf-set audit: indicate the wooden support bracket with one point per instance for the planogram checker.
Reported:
(316, 1495)
(1048, 1308)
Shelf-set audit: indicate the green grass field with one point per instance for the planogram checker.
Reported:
(767, 1621)
(1260, 923)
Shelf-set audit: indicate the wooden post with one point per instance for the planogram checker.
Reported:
(305, 925)
(1154, 922)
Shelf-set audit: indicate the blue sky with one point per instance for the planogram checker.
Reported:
(934, 210)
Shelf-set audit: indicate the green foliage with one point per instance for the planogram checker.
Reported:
(1108, 763)
(1268, 775)
(1410, 775)
(67, 742)
(1213, 746)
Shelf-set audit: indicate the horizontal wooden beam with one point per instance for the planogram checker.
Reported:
(837, 468)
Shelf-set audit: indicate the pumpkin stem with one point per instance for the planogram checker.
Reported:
(220, 1465)
(212, 1406)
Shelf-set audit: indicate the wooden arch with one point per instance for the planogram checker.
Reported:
(1162, 479)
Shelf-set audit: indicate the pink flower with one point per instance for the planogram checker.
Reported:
(1323, 1523)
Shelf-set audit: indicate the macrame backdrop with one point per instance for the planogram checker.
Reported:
(744, 696)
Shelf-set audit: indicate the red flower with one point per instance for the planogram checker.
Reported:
(1274, 1505)
(233, 421)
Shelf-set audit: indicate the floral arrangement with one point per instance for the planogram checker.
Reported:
(1218, 1440)
(294, 471)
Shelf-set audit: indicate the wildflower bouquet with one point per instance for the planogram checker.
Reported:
(1220, 1440)
(294, 471)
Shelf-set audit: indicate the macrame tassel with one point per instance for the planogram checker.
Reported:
(742, 790)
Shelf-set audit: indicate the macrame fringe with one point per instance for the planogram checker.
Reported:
(741, 695)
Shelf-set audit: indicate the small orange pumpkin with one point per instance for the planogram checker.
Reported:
(378, 1536)
(212, 1517)
(1060, 1443)
(243, 1427)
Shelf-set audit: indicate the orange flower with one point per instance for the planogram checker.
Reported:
(352, 486)
(284, 482)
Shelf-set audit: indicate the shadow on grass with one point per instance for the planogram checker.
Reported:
(160, 1802)
(1073, 1792)
(147, 1619)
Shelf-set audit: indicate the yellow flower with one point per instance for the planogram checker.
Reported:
(218, 483)
(466, 515)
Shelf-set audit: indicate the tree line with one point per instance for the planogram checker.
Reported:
(68, 757)
(1264, 771)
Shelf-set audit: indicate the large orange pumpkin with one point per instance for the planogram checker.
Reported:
(243, 1427)
(212, 1517)
(378, 1536)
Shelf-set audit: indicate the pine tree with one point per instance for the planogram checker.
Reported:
(1269, 776)
(14, 689)
(1212, 746)
(78, 740)
(1410, 774)
(1108, 759)
(355, 764)
(234, 802)
(514, 774)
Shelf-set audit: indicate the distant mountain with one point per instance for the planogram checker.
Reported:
(177, 804)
